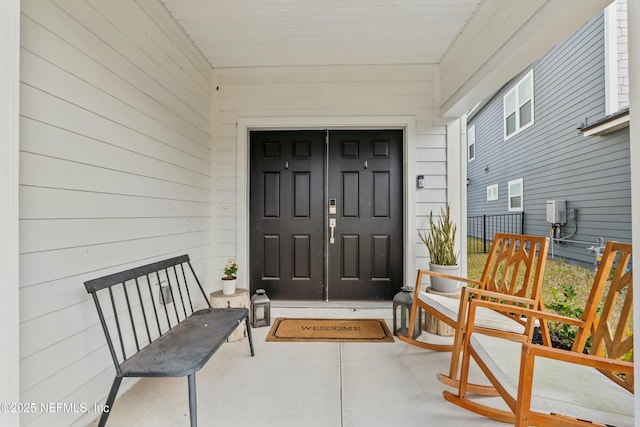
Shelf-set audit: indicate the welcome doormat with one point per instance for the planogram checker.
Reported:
(330, 330)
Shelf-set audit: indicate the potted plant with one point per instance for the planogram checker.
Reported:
(229, 279)
(440, 242)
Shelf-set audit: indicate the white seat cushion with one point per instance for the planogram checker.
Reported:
(485, 317)
(558, 387)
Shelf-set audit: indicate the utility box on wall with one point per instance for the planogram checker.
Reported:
(557, 211)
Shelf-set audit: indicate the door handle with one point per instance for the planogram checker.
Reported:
(332, 227)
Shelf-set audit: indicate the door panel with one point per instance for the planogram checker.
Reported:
(286, 213)
(293, 177)
(365, 178)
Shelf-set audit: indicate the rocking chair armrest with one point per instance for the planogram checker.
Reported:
(598, 362)
(533, 313)
(466, 298)
(448, 276)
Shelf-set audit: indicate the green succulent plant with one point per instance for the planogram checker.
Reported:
(441, 237)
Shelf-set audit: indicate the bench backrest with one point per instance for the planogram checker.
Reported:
(139, 305)
(515, 265)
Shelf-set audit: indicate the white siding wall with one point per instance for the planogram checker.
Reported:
(296, 93)
(115, 172)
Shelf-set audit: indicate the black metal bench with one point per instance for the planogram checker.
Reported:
(152, 329)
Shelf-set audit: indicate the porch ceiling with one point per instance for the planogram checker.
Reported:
(253, 33)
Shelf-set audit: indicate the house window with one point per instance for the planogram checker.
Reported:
(471, 143)
(516, 201)
(518, 106)
(492, 192)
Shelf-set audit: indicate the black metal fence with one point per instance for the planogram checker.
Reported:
(480, 229)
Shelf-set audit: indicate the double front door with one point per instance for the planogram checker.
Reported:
(326, 214)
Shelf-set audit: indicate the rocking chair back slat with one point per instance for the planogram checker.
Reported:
(612, 335)
(513, 266)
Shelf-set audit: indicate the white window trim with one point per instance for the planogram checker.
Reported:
(612, 102)
(471, 131)
(492, 193)
(516, 181)
(504, 98)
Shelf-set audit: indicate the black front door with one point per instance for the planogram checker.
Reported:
(326, 214)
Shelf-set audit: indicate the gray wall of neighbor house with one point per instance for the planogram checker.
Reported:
(553, 159)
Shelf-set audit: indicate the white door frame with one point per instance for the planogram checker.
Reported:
(247, 124)
(9, 215)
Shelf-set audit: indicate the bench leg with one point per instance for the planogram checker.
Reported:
(246, 319)
(110, 399)
(193, 409)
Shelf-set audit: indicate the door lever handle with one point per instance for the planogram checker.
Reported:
(332, 228)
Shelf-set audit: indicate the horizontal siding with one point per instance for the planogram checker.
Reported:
(403, 90)
(115, 165)
(553, 158)
(56, 112)
(88, 27)
(119, 152)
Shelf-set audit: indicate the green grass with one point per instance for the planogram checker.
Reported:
(556, 274)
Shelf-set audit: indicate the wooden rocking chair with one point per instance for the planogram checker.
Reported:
(513, 273)
(545, 386)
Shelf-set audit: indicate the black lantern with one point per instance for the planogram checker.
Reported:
(402, 302)
(260, 309)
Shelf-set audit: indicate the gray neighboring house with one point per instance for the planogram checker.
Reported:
(558, 132)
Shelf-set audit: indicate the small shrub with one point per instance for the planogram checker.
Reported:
(568, 306)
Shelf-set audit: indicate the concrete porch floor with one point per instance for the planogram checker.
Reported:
(304, 384)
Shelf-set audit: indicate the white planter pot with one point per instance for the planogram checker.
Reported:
(229, 286)
(441, 284)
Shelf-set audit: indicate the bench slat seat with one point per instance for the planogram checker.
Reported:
(190, 345)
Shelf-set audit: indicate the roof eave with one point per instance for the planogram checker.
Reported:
(608, 124)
